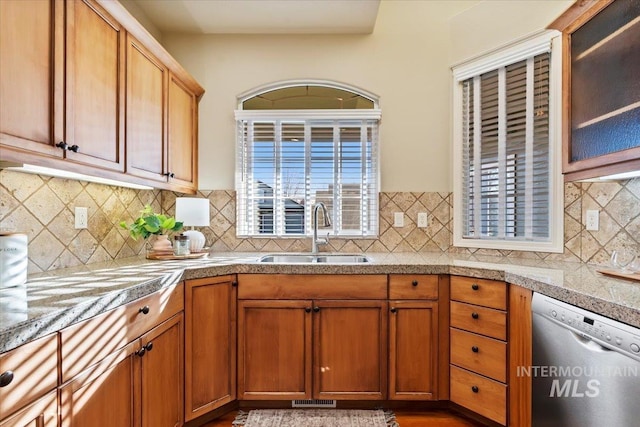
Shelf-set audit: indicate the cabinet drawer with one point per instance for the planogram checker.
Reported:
(35, 371)
(412, 286)
(481, 320)
(479, 394)
(41, 413)
(90, 341)
(488, 293)
(479, 354)
(312, 286)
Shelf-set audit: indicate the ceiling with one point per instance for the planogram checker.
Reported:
(262, 16)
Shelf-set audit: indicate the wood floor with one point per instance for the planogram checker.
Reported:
(435, 418)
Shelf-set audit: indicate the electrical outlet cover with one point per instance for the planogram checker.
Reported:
(81, 218)
(398, 219)
(423, 219)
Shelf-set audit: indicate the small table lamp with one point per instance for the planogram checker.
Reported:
(193, 212)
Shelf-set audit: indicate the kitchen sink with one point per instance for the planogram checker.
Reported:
(312, 259)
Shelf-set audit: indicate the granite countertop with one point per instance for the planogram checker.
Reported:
(53, 300)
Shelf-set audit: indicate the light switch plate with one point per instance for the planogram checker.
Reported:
(81, 218)
(423, 220)
(592, 220)
(398, 219)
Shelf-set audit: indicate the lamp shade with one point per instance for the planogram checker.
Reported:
(192, 211)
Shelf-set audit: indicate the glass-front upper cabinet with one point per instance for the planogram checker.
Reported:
(601, 88)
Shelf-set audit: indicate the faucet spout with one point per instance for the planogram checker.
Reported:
(317, 241)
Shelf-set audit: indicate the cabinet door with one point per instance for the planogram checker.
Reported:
(274, 350)
(31, 72)
(41, 413)
(162, 378)
(147, 81)
(182, 116)
(413, 350)
(210, 370)
(350, 353)
(94, 86)
(105, 395)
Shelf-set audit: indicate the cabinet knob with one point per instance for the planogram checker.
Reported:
(141, 352)
(5, 378)
(64, 146)
(307, 309)
(475, 315)
(316, 309)
(149, 346)
(144, 310)
(475, 287)
(414, 283)
(234, 283)
(475, 349)
(475, 389)
(169, 174)
(393, 310)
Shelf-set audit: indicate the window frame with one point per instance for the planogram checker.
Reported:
(325, 115)
(547, 40)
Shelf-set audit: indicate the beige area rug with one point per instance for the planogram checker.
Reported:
(316, 418)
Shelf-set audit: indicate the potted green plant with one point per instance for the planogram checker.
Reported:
(150, 224)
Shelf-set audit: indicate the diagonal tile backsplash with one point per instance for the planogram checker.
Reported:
(43, 207)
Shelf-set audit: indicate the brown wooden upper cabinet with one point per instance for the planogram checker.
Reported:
(31, 79)
(147, 79)
(601, 101)
(69, 70)
(95, 48)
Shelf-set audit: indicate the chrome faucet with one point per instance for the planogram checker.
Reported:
(317, 241)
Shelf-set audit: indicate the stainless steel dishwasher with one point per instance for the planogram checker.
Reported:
(586, 368)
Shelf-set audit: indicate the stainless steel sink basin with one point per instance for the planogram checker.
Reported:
(312, 259)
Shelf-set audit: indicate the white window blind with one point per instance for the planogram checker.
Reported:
(507, 186)
(287, 165)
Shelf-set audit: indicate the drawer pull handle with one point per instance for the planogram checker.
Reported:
(393, 310)
(475, 315)
(475, 349)
(475, 287)
(475, 389)
(169, 174)
(307, 309)
(6, 378)
(144, 310)
(414, 283)
(316, 309)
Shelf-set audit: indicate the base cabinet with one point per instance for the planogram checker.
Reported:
(138, 385)
(350, 350)
(306, 347)
(413, 350)
(274, 350)
(277, 340)
(210, 344)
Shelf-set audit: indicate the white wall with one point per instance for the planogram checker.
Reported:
(406, 61)
(494, 23)
(142, 17)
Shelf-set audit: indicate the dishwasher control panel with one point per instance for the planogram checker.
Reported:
(608, 332)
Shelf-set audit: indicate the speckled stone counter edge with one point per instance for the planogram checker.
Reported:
(41, 326)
